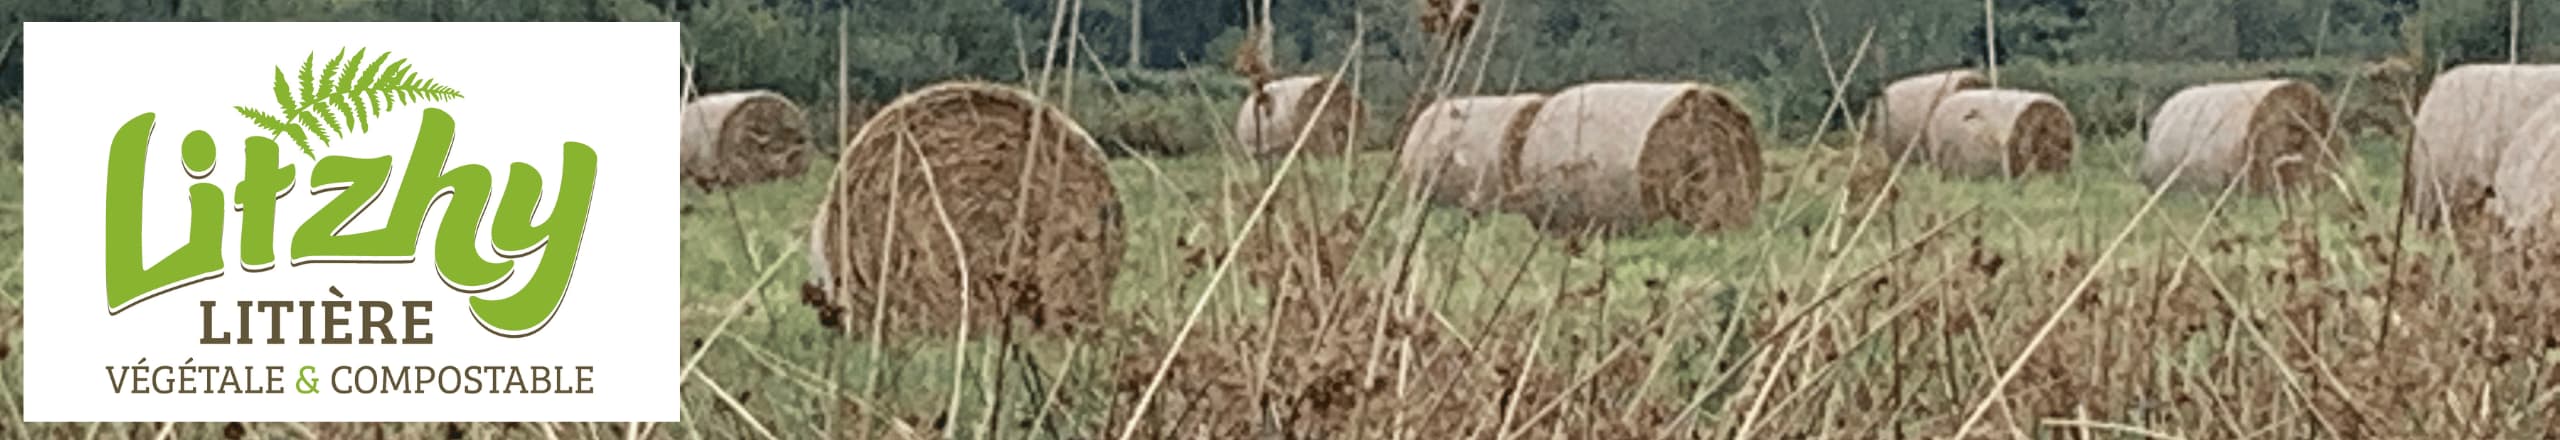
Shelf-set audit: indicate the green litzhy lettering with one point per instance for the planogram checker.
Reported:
(513, 230)
(358, 183)
(558, 236)
(128, 279)
(457, 257)
(262, 176)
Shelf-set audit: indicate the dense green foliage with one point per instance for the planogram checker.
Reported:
(1775, 53)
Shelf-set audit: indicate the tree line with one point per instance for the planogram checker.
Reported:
(893, 45)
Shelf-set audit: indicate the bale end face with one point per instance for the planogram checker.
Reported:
(2265, 136)
(2290, 145)
(1702, 164)
(1610, 157)
(974, 182)
(743, 138)
(2004, 133)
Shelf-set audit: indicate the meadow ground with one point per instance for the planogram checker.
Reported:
(2257, 316)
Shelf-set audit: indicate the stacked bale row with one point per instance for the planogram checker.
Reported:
(1598, 157)
(1462, 150)
(2483, 155)
(2465, 129)
(2001, 132)
(983, 194)
(1902, 126)
(1953, 121)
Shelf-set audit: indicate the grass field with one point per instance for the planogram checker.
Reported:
(1722, 293)
(2215, 317)
(1468, 267)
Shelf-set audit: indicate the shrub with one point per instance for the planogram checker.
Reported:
(1156, 112)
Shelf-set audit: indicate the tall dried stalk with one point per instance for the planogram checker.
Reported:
(1227, 260)
(729, 315)
(844, 94)
(960, 257)
(1991, 42)
(2082, 289)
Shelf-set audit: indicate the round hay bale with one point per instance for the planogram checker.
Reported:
(1902, 119)
(742, 138)
(1613, 156)
(2525, 189)
(1025, 190)
(2001, 132)
(1270, 120)
(2467, 118)
(2268, 134)
(1458, 147)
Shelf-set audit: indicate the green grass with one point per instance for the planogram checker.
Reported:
(2038, 218)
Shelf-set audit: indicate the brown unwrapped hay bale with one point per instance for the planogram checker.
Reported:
(742, 138)
(1270, 120)
(1613, 156)
(2525, 186)
(1024, 189)
(2467, 118)
(2267, 135)
(1902, 120)
(1458, 147)
(2001, 132)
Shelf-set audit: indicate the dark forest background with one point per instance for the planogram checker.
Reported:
(1161, 56)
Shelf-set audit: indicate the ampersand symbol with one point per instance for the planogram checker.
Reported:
(305, 383)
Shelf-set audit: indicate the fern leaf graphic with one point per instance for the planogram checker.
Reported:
(284, 92)
(293, 111)
(300, 139)
(328, 88)
(346, 80)
(264, 120)
(364, 122)
(397, 70)
(300, 111)
(284, 99)
(344, 96)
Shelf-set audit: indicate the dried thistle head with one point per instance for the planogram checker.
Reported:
(2392, 70)
(1448, 19)
(1251, 60)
